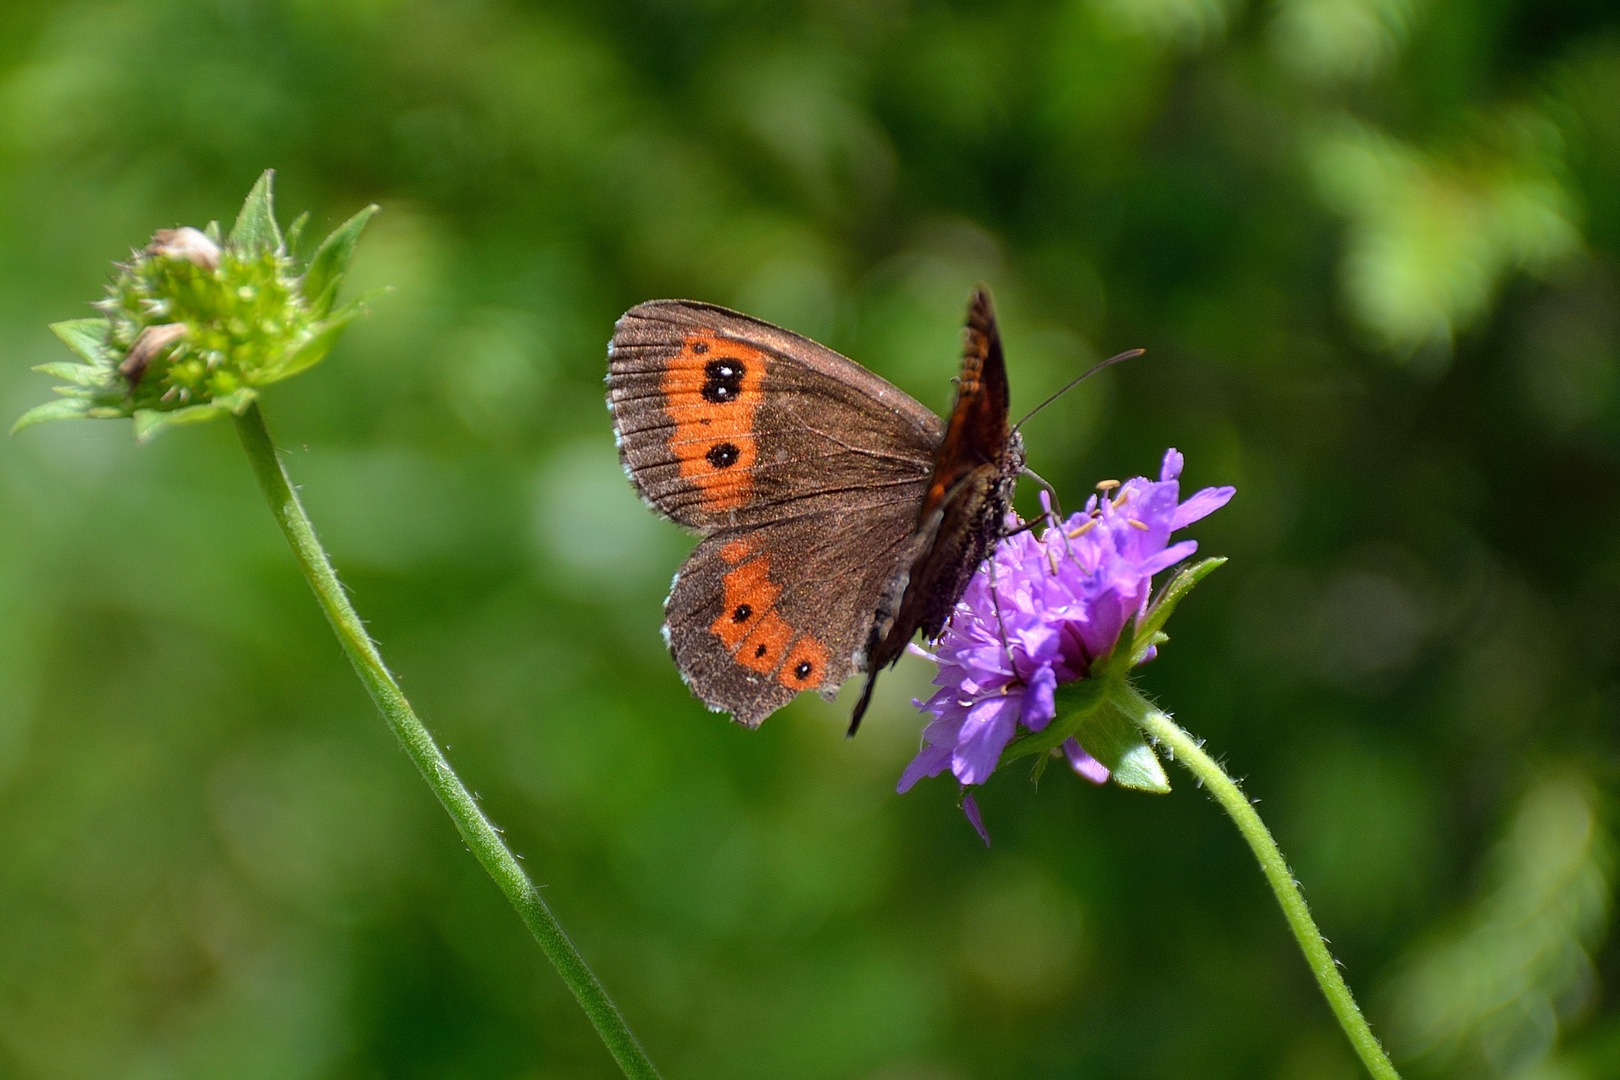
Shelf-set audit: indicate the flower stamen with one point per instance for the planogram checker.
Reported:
(1082, 530)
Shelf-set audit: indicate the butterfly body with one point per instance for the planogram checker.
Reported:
(838, 515)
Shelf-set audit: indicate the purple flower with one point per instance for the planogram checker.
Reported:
(1059, 603)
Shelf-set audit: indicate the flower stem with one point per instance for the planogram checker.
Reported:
(480, 835)
(1186, 750)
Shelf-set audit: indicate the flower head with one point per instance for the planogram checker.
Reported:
(1044, 611)
(193, 325)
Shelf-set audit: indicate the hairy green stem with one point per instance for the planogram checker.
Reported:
(1186, 750)
(481, 836)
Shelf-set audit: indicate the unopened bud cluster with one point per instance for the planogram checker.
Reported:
(193, 325)
(196, 322)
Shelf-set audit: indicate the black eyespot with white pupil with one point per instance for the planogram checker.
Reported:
(723, 378)
(723, 455)
(802, 672)
(742, 614)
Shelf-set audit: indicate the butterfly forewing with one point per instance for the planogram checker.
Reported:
(723, 420)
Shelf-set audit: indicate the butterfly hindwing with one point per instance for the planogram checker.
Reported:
(757, 615)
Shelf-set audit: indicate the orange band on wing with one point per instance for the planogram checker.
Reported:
(711, 389)
(754, 633)
(764, 648)
(749, 596)
(805, 664)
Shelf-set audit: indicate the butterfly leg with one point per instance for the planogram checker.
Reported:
(1001, 626)
(1056, 513)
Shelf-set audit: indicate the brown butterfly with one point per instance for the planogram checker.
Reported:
(839, 516)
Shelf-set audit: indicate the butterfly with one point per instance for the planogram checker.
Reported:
(838, 515)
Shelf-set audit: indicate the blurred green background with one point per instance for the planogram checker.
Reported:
(1373, 250)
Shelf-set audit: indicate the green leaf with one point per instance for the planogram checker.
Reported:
(1180, 585)
(87, 337)
(1109, 736)
(60, 409)
(78, 374)
(255, 231)
(331, 260)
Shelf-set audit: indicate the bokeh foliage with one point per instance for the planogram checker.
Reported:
(1371, 247)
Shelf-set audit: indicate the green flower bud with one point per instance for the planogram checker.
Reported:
(193, 327)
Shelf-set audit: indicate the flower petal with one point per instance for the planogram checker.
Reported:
(971, 808)
(1039, 706)
(1083, 763)
(931, 761)
(1171, 469)
(1169, 557)
(985, 734)
(1201, 505)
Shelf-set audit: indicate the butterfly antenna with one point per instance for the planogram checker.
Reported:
(1072, 383)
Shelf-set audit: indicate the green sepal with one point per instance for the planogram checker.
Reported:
(1109, 736)
(295, 232)
(1074, 702)
(74, 408)
(149, 423)
(87, 338)
(1085, 713)
(235, 402)
(315, 349)
(1148, 627)
(211, 230)
(1140, 651)
(256, 231)
(331, 260)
